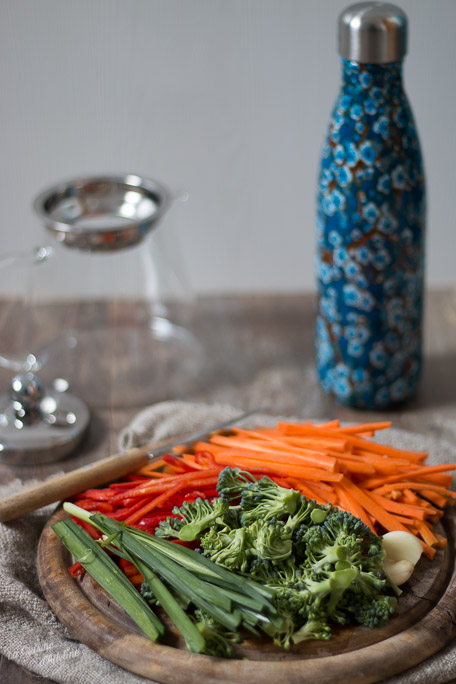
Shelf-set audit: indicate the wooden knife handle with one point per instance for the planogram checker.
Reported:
(64, 486)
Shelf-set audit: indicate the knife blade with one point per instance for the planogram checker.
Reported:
(99, 472)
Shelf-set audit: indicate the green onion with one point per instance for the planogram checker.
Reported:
(168, 568)
(193, 638)
(104, 571)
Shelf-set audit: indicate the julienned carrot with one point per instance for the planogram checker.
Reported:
(436, 498)
(414, 485)
(366, 427)
(289, 443)
(426, 533)
(442, 542)
(370, 506)
(237, 455)
(402, 509)
(381, 460)
(348, 465)
(180, 463)
(245, 446)
(351, 504)
(411, 474)
(280, 468)
(316, 431)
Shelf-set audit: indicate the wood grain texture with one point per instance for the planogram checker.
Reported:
(424, 624)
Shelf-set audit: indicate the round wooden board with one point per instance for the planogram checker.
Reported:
(424, 623)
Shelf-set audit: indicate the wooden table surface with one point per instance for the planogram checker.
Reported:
(259, 350)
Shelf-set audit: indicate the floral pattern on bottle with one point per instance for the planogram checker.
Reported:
(370, 242)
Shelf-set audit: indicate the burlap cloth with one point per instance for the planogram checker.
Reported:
(31, 635)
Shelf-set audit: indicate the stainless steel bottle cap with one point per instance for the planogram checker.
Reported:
(373, 33)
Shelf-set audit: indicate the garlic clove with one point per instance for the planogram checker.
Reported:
(400, 546)
(398, 571)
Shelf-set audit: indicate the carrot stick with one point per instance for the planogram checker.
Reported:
(298, 460)
(367, 427)
(426, 534)
(442, 542)
(352, 506)
(280, 469)
(386, 450)
(411, 474)
(403, 509)
(353, 466)
(414, 485)
(191, 462)
(322, 443)
(443, 479)
(435, 498)
(327, 494)
(367, 502)
(244, 445)
(381, 459)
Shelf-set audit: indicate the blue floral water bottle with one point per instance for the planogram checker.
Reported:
(370, 221)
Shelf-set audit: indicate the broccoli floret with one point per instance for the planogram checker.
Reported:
(363, 546)
(148, 594)
(232, 482)
(330, 587)
(374, 612)
(228, 548)
(262, 570)
(217, 638)
(169, 527)
(198, 516)
(320, 551)
(285, 575)
(270, 541)
(282, 630)
(232, 517)
(345, 540)
(314, 628)
(265, 499)
(370, 583)
(307, 513)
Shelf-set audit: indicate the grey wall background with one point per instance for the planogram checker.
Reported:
(227, 99)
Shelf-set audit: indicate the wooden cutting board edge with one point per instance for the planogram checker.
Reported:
(168, 665)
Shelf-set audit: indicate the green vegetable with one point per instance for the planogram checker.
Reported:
(272, 562)
(264, 500)
(193, 638)
(325, 565)
(314, 628)
(104, 571)
(232, 482)
(198, 516)
(375, 612)
(228, 548)
(217, 639)
(231, 602)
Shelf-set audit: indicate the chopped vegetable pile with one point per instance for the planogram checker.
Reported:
(386, 487)
(287, 523)
(312, 566)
